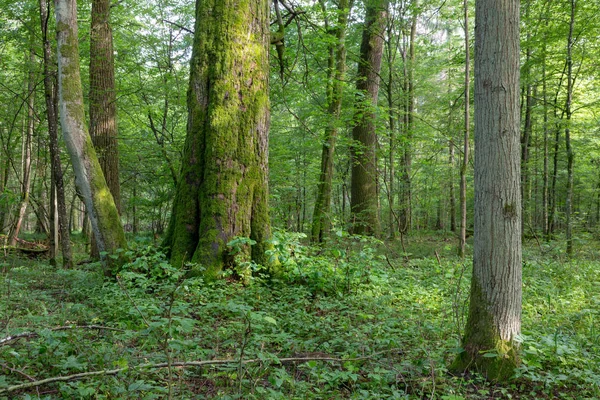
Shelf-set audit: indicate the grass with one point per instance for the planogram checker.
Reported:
(387, 325)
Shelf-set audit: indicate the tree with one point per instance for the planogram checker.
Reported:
(494, 321)
(364, 198)
(335, 86)
(100, 205)
(222, 189)
(103, 110)
(462, 237)
(60, 228)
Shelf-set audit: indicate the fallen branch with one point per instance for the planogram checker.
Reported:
(13, 338)
(183, 364)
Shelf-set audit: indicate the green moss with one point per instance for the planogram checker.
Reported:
(484, 349)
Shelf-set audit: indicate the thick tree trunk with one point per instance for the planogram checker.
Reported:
(494, 319)
(322, 215)
(60, 223)
(364, 197)
(100, 205)
(103, 110)
(223, 191)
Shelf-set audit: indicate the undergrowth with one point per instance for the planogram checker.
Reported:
(356, 319)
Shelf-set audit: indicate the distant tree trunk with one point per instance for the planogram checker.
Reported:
(527, 133)
(364, 197)
(337, 62)
(405, 216)
(60, 223)
(568, 113)
(545, 218)
(27, 144)
(222, 190)
(462, 237)
(100, 205)
(494, 318)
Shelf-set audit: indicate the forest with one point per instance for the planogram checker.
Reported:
(299, 199)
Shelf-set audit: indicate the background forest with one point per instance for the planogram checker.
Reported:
(376, 315)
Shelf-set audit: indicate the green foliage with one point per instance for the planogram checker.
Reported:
(393, 323)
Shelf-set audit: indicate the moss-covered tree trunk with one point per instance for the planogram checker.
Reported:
(494, 318)
(100, 206)
(337, 63)
(222, 189)
(103, 110)
(60, 224)
(364, 196)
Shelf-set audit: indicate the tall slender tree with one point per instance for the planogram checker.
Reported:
(60, 224)
(462, 236)
(335, 86)
(222, 190)
(100, 205)
(364, 197)
(494, 319)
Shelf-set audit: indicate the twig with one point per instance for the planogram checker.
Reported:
(183, 364)
(13, 338)
(16, 371)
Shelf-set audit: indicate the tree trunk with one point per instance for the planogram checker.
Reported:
(60, 223)
(103, 110)
(568, 113)
(462, 237)
(100, 205)
(494, 318)
(405, 216)
(322, 215)
(364, 203)
(27, 144)
(222, 191)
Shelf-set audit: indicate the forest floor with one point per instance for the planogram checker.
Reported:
(359, 319)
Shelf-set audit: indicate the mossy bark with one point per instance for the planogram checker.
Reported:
(99, 202)
(222, 190)
(494, 319)
(364, 196)
(335, 86)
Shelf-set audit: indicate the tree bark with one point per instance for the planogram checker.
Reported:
(569, 147)
(100, 205)
(462, 237)
(27, 145)
(364, 196)
(60, 223)
(222, 191)
(494, 319)
(322, 214)
(103, 110)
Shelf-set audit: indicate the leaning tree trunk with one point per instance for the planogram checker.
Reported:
(494, 318)
(60, 223)
(364, 198)
(100, 205)
(222, 190)
(322, 215)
